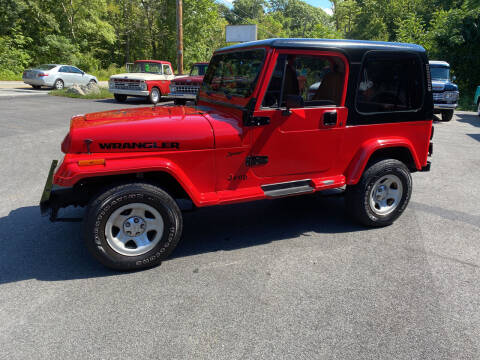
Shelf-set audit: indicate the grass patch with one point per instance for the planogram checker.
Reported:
(465, 103)
(103, 94)
(7, 75)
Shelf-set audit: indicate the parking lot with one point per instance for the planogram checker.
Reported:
(285, 279)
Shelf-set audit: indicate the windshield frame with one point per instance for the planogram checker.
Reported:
(226, 92)
(447, 68)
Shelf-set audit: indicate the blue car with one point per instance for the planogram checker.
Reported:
(445, 92)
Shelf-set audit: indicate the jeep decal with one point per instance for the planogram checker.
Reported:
(140, 145)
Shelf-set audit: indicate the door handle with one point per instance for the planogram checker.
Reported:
(330, 118)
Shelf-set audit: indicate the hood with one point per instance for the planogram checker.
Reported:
(137, 76)
(140, 129)
(443, 85)
(188, 80)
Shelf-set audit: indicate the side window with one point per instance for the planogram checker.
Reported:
(319, 80)
(390, 83)
(64, 69)
(167, 70)
(75, 70)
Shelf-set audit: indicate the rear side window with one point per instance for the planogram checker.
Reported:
(390, 83)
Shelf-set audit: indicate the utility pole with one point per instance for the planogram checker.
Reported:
(179, 37)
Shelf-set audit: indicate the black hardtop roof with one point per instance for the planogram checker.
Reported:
(352, 47)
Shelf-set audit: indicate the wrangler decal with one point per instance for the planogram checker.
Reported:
(140, 145)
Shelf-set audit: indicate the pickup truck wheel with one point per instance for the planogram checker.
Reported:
(154, 96)
(179, 102)
(447, 115)
(132, 226)
(120, 97)
(381, 195)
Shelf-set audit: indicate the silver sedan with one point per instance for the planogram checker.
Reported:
(56, 76)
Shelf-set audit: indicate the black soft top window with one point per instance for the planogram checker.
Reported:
(390, 83)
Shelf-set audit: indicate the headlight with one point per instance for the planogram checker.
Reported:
(450, 95)
(111, 84)
(143, 85)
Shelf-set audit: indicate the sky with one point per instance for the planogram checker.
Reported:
(324, 4)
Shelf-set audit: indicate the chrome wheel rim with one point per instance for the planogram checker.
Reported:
(134, 229)
(155, 95)
(386, 194)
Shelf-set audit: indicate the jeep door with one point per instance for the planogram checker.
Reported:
(304, 139)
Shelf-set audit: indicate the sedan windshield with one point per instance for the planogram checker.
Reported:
(147, 67)
(234, 73)
(440, 73)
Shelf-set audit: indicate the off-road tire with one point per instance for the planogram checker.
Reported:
(179, 101)
(155, 95)
(447, 115)
(120, 97)
(100, 209)
(357, 197)
(58, 84)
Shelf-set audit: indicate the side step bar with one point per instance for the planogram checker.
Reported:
(288, 188)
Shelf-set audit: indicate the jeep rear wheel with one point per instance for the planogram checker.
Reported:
(132, 226)
(381, 195)
(120, 97)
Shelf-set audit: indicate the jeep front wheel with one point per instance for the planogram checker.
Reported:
(132, 226)
(381, 195)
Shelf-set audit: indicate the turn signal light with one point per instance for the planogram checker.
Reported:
(91, 162)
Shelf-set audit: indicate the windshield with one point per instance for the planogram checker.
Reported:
(147, 67)
(45, 67)
(440, 73)
(234, 73)
(199, 69)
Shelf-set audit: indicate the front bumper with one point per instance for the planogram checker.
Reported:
(445, 106)
(55, 197)
(129, 92)
(175, 95)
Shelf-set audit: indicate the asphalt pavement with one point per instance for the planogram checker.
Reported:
(285, 279)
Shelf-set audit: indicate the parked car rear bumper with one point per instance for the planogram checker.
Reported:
(130, 92)
(38, 81)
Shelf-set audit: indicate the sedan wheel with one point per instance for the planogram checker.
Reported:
(58, 85)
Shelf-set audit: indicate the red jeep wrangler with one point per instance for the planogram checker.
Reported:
(256, 133)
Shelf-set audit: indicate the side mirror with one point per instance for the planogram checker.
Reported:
(83, 73)
(454, 78)
(292, 102)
